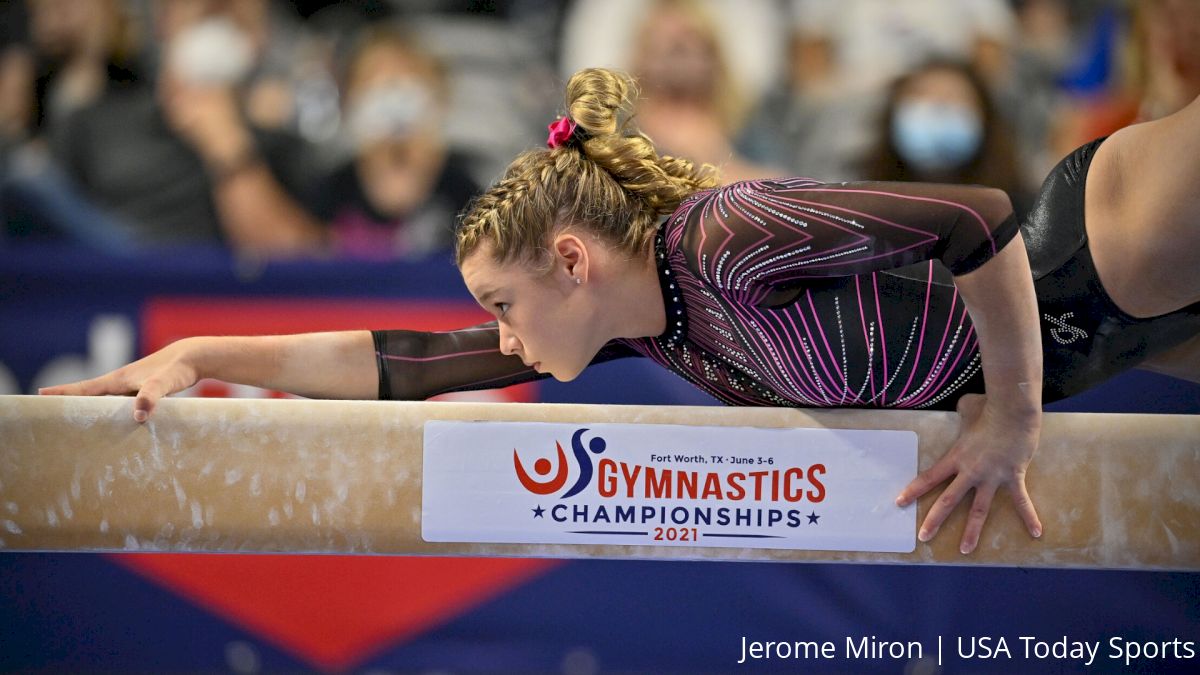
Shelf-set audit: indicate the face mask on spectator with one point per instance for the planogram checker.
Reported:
(214, 51)
(934, 136)
(394, 110)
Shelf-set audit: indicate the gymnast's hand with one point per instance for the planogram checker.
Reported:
(993, 450)
(160, 374)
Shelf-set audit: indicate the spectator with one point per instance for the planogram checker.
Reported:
(820, 136)
(1046, 46)
(865, 44)
(400, 192)
(750, 33)
(62, 52)
(940, 125)
(818, 119)
(690, 105)
(252, 173)
(59, 57)
(1157, 71)
(174, 159)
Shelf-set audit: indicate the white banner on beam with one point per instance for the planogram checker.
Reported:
(667, 485)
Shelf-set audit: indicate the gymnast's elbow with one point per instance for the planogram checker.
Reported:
(993, 205)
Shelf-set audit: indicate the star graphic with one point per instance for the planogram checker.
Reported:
(537, 513)
(812, 518)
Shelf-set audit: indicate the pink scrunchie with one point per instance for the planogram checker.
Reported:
(561, 131)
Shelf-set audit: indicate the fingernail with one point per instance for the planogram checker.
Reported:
(900, 501)
(923, 535)
(965, 549)
(139, 415)
(1037, 532)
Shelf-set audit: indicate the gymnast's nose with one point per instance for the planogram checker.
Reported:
(509, 343)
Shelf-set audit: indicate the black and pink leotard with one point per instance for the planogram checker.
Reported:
(796, 293)
(783, 292)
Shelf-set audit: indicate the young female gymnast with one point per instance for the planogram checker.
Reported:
(787, 292)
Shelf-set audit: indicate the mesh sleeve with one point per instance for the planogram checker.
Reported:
(416, 365)
(780, 231)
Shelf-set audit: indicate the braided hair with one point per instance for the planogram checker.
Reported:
(610, 182)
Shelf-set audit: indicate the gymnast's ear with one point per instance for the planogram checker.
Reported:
(571, 257)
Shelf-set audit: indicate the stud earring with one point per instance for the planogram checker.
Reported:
(578, 281)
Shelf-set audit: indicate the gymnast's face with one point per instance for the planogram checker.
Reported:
(547, 318)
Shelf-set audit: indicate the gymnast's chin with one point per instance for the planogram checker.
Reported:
(561, 373)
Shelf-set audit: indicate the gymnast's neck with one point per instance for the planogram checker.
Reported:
(629, 295)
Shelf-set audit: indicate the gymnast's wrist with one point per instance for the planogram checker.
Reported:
(1020, 406)
(231, 358)
(196, 353)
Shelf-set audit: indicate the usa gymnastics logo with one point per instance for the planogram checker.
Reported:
(543, 467)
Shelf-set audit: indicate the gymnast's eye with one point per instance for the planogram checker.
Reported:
(503, 307)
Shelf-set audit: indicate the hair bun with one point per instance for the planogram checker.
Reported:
(600, 100)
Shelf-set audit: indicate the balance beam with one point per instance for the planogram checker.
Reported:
(300, 476)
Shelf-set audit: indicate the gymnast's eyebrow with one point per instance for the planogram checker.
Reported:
(483, 297)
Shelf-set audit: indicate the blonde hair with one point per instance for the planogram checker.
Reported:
(612, 182)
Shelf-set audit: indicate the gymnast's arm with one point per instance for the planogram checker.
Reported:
(999, 432)
(319, 365)
(754, 236)
(396, 364)
(763, 234)
(415, 365)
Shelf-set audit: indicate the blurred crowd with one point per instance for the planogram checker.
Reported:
(359, 129)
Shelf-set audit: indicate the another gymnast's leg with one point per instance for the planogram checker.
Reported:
(1142, 213)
